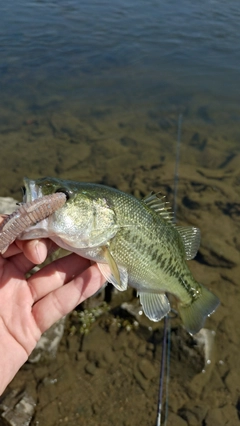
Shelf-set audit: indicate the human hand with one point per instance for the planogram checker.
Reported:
(28, 307)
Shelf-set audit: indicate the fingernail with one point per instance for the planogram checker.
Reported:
(40, 250)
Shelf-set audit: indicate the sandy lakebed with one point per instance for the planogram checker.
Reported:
(110, 376)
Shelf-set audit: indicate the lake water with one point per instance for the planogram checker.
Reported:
(94, 91)
(103, 62)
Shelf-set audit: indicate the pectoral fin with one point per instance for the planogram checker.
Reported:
(155, 305)
(117, 276)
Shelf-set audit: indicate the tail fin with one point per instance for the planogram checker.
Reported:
(194, 315)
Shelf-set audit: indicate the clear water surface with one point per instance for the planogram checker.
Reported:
(115, 61)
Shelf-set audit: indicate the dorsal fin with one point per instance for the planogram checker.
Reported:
(190, 235)
(191, 239)
(157, 203)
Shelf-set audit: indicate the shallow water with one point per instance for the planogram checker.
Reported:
(95, 72)
(93, 91)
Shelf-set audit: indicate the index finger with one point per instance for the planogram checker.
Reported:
(26, 254)
(37, 250)
(56, 274)
(64, 299)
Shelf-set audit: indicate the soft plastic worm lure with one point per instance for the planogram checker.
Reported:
(28, 214)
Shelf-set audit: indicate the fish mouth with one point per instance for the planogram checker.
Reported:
(31, 190)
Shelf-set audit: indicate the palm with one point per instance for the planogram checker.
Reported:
(16, 302)
(28, 307)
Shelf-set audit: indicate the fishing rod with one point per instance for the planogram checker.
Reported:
(167, 326)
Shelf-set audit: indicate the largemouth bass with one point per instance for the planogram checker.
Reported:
(133, 242)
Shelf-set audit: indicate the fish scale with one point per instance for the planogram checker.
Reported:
(133, 242)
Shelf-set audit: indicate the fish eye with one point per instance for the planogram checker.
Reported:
(64, 191)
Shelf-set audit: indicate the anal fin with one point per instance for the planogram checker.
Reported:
(155, 305)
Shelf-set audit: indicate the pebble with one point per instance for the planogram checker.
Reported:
(226, 414)
(214, 417)
(143, 383)
(109, 356)
(101, 363)
(128, 353)
(175, 420)
(90, 368)
(150, 346)
(141, 350)
(147, 369)
(40, 372)
(194, 415)
(96, 408)
(232, 383)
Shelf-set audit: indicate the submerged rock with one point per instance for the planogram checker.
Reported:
(47, 346)
(17, 408)
(7, 205)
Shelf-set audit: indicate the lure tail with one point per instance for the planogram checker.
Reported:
(26, 215)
